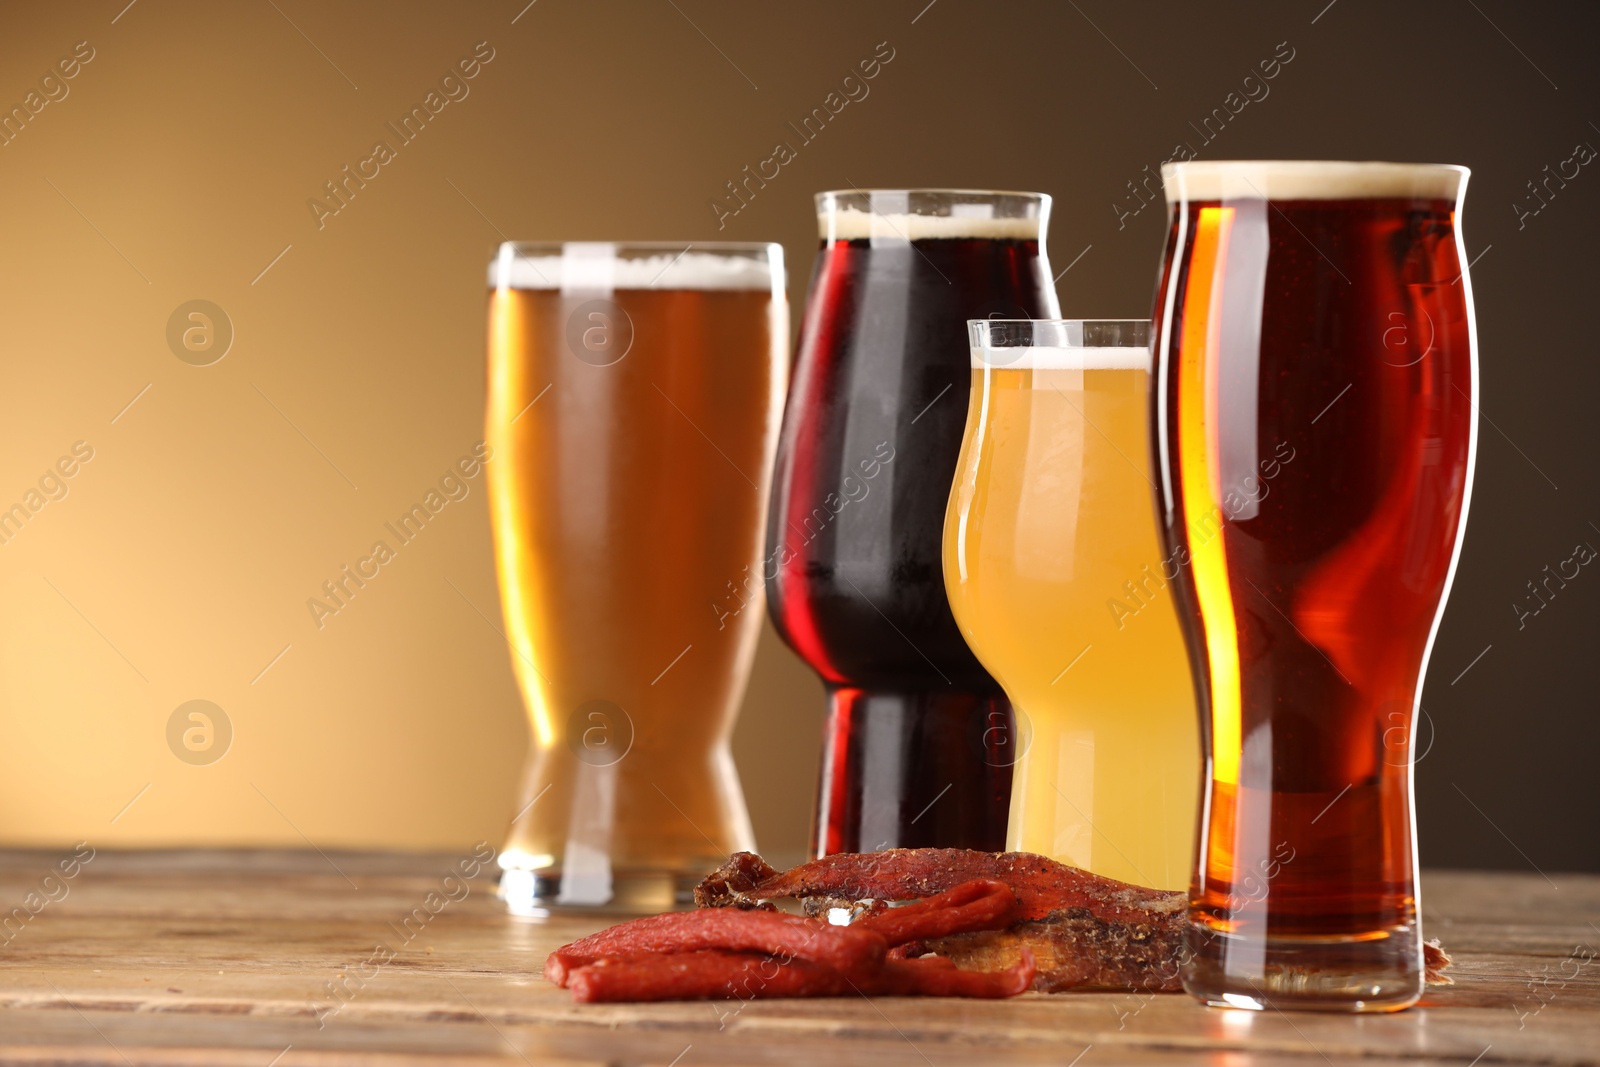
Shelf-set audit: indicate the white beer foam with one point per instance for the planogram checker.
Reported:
(1022, 357)
(853, 224)
(669, 270)
(1311, 180)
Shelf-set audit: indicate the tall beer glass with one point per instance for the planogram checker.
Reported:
(634, 397)
(1315, 424)
(1060, 586)
(918, 738)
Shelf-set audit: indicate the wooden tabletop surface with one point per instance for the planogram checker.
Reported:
(232, 958)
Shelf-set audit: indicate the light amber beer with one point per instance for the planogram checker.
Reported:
(1057, 581)
(633, 408)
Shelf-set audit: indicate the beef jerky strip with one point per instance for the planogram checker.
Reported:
(1087, 932)
(981, 904)
(728, 885)
(1075, 950)
(938, 977)
(708, 974)
(714, 974)
(786, 936)
(1042, 885)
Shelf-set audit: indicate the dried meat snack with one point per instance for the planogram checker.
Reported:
(1085, 931)
(981, 904)
(727, 952)
(713, 974)
(1075, 950)
(842, 948)
(727, 885)
(708, 974)
(1042, 885)
(977, 925)
(936, 976)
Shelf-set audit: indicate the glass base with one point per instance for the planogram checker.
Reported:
(1375, 973)
(539, 893)
(914, 769)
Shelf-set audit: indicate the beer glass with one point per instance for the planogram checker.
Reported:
(1315, 423)
(1059, 585)
(918, 739)
(633, 403)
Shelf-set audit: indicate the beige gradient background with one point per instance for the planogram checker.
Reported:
(180, 165)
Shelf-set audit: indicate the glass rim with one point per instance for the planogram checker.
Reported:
(1311, 179)
(1058, 322)
(929, 214)
(1022, 194)
(1306, 164)
(987, 335)
(602, 267)
(713, 247)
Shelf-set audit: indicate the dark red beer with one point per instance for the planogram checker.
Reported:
(1315, 429)
(919, 739)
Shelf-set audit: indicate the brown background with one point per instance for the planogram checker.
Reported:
(181, 163)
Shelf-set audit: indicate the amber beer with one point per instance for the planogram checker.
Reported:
(1322, 312)
(1054, 571)
(634, 397)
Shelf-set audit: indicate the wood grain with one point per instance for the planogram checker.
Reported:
(234, 958)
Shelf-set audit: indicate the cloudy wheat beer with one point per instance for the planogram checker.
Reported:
(1315, 426)
(1057, 581)
(634, 396)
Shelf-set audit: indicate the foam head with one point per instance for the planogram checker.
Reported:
(1040, 357)
(851, 224)
(598, 267)
(1310, 180)
(1060, 344)
(891, 215)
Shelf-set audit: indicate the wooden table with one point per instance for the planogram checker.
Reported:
(229, 958)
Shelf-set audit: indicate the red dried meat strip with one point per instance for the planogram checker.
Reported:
(709, 974)
(1042, 885)
(712, 975)
(1085, 931)
(936, 976)
(842, 948)
(981, 904)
